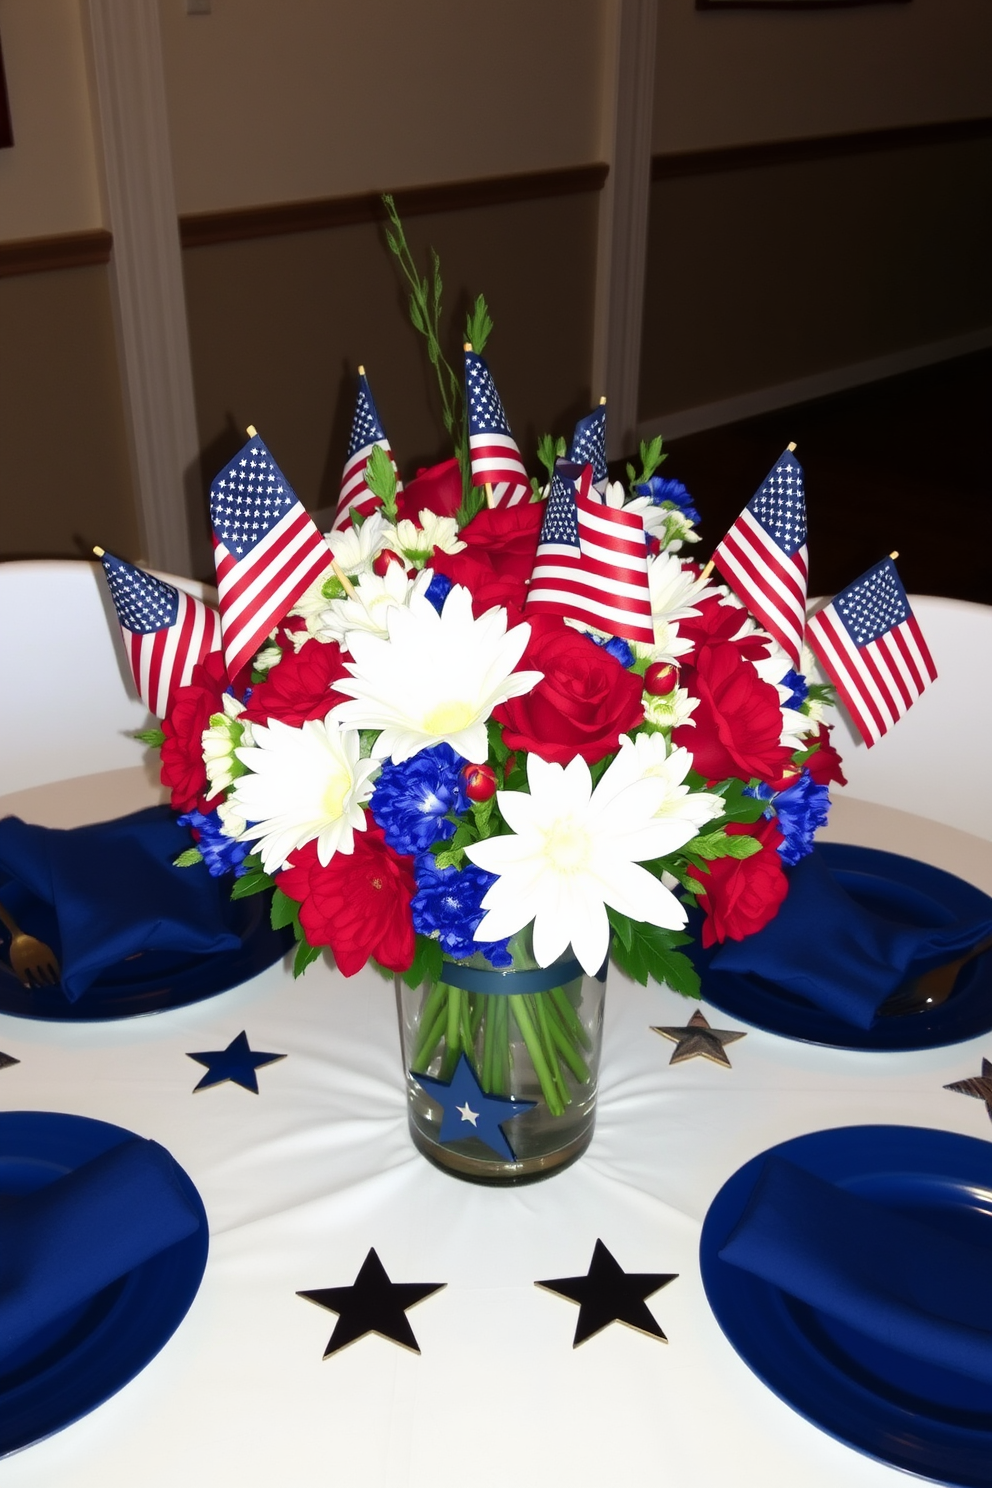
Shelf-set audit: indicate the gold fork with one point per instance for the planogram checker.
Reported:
(32, 961)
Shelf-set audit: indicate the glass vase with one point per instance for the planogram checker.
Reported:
(502, 1066)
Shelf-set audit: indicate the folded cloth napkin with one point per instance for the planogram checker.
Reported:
(842, 957)
(892, 1278)
(65, 1242)
(99, 894)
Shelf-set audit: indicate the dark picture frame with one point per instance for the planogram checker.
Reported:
(6, 131)
(790, 4)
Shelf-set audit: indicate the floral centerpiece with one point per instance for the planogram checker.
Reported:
(427, 769)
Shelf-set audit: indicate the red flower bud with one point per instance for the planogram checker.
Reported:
(660, 679)
(480, 782)
(380, 565)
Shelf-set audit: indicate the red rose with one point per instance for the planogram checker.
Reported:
(825, 764)
(507, 537)
(183, 770)
(300, 686)
(437, 488)
(738, 722)
(486, 586)
(740, 895)
(583, 705)
(359, 905)
(721, 622)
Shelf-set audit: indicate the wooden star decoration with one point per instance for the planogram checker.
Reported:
(980, 1086)
(374, 1304)
(698, 1040)
(608, 1294)
(6, 1060)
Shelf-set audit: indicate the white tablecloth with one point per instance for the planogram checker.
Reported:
(302, 1179)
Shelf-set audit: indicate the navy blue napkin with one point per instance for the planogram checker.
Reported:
(65, 1242)
(910, 1287)
(100, 894)
(842, 957)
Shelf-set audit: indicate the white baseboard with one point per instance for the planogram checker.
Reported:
(819, 385)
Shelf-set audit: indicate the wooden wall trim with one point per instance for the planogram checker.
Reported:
(199, 229)
(819, 147)
(66, 251)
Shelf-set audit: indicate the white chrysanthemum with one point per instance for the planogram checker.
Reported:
(304, 783)
(226, 733)
(773, 668)
(369, 609)
(418, 544)
(574, 851)
(354, 550)
(269, 656)
(436, 679)
(675, 592)
(231, 824)
(649, 756)
(672, 710)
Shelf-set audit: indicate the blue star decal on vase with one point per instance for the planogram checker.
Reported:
(469, 1112)
(237, 1063)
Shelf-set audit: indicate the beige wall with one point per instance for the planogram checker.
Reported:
(728, 78)
(48, 182)
(282, 100)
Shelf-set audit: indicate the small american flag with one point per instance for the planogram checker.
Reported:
(495, 458)
(592, 560)
(166, 632)
(366, 433)
(873, 650)
(589, 446)
(763, 556)
(266, 548)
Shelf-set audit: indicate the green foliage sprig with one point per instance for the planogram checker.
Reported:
(380, 477)
(651, 457)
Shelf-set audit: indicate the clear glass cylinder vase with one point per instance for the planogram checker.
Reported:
(502, 1066)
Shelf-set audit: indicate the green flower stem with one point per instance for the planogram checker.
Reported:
(570, 1017)
(452, 1037)
(432, 1010)
(468, 1043)
(478, 1006)
(566, 1047)
(532, 1039)
(539, 1005)
(428, 1043)
(488, 1045)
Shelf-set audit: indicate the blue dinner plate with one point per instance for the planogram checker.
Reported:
(914, 1416)
(869, 876)
(155, 981)
(82, 1358)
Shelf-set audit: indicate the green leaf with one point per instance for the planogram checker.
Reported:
(306, 955)
(284, 911)
(478, 325)
(252, 883)
(380, 477)
(357, 519)
(482, 811)
(428, 960)
(738, 807)
(718, 845)
(546, 453)
(621, 925)
(154, 738)
(188, 858)
(651, 954)
(821, 692)
(679, 973)
(498, 751)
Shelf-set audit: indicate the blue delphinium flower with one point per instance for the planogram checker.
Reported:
(438, 590)
(448, 901)
(411, 801)
(616, 647)
(221, 854)
(798, 687)
(674, 491)
(801, 809)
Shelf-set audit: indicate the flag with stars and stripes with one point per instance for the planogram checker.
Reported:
(589, 446)
(166, 632)
(495, 458)
(873, 650)
(366, 433)
(763, 556)
(592, 560)
(266, 548)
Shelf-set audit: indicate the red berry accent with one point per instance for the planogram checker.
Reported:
(660, 679)
(480, 782)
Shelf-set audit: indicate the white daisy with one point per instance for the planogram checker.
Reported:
(418, 544)
(368, 610)
(436, 679)
(226, 733)
(354, 551)
(773, 668)
(305, 783)
(576, 850)
(649, 756)
(670, 711)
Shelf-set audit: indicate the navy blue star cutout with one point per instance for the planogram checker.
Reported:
(237, 1063)
(373, 1305)
(469, 1112)
(608, 1294)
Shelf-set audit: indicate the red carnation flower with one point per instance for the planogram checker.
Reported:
(359, 905)
(736, 728)
(825, 764)
(721, 622)
(584, 703)
(183, 771)
(740, 895)
(300, 686)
